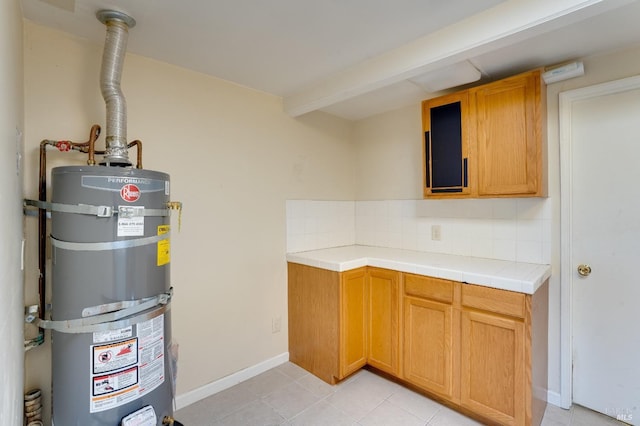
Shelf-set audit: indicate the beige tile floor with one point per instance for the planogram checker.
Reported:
(288, 395)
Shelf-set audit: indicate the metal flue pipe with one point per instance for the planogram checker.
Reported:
(115, 47)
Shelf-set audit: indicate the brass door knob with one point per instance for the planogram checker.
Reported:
(584, 270)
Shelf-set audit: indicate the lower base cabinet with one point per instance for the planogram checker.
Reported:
(429, 334)
(327, 321)
(503, 348)
(478, 349)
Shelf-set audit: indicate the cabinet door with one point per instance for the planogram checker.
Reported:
(508, 127)
(384, 319)
(428, 344)
(353, 321)
(493, 366)
(446, 141)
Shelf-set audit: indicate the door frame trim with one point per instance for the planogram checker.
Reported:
(567, 274)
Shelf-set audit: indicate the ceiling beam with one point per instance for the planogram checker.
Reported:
(509, 22)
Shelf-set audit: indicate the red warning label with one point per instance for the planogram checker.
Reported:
(108, 384)
(115, 356)
(125, 370)
(130, 193)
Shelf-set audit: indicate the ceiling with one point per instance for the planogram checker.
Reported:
(353, 58)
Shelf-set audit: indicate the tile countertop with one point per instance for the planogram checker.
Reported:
(514, 276)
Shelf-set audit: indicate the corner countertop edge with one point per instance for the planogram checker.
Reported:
(521, 277)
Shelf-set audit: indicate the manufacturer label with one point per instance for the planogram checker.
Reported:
(131, 225)
(112, 335)
(115, 183)
(130, 193)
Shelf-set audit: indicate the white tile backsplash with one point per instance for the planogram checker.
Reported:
(315, 224)
(504, 250)
(529, 251)
(529, 230)
(504, 229)
(514, 229)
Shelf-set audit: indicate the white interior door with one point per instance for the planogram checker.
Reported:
(605, 235)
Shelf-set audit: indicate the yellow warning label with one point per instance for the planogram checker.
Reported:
(164, 246)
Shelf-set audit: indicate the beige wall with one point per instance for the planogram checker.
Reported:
(389, 160)
(390, 166)
(234, 158)
(11, 128)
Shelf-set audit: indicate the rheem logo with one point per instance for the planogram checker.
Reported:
(130, 193)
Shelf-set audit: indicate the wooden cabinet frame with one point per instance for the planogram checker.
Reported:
(475, 348)
(431, 189)
(503, 133)
(509, 125)
(384, 318)
(327, 320)
(353, 327)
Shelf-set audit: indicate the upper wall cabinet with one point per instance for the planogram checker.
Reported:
(487, 141)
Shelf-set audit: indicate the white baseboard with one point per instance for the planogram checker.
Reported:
(555, 398)
(226, 382)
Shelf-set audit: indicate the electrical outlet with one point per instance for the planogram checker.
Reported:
(436, 232)
(276, 324)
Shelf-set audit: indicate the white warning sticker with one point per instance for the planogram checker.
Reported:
(151, 335)
(112, 335)
(125, 370)
(131, 224)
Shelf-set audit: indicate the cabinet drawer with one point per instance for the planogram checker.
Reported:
(494, 300)
(428, 287)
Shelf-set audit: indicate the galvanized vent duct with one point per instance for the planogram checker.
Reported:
(115, 47)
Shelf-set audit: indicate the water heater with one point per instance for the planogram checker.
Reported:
(113, 362)
(111, 353)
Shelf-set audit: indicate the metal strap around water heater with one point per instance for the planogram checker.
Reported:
(115, 306)
(99, 211)
(109, 245)
(112, 320)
